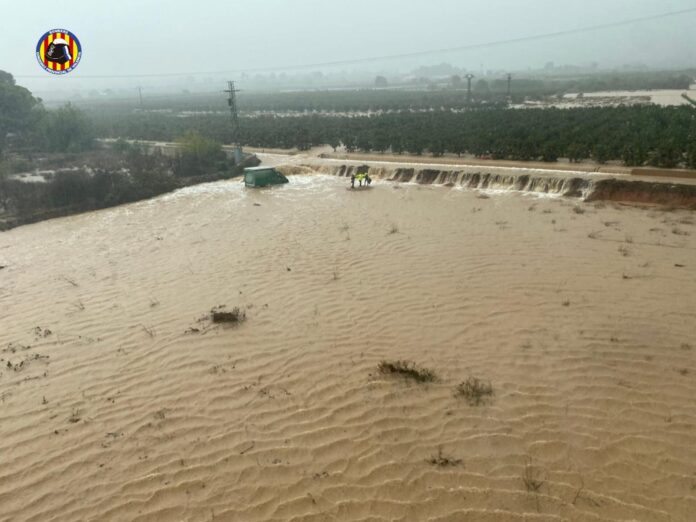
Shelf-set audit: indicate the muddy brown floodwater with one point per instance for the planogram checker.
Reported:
(121, 401)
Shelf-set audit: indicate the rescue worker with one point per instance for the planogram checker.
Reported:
(352, 181)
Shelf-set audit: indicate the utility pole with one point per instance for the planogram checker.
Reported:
(468, 77)
(140, 95)
(509, 81)
(232, 103)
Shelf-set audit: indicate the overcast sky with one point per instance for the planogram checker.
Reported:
(128, 37)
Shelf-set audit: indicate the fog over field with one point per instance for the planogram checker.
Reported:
(204, 40)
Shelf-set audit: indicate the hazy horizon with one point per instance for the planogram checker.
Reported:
(194, 41)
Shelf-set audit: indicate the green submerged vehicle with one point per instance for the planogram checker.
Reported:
(263, 177)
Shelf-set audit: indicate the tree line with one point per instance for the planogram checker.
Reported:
(26, 125)
(635, 135)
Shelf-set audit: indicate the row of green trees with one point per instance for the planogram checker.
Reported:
(635, 135)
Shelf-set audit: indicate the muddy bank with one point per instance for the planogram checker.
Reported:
(72, 191)
(668, 194)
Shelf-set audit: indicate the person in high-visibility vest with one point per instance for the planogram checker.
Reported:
(361, 176)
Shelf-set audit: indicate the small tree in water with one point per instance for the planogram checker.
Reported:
(198, 156)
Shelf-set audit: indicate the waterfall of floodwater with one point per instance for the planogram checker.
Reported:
(570, 185)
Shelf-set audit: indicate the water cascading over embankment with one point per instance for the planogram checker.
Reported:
(571, 185)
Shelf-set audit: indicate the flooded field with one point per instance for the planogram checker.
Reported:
(122, 400)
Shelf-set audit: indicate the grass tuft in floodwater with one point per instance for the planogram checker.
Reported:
(234, 316)
(408, 370)
(475, 391)
(443, 461)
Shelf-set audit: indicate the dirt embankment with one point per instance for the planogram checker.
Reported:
(633, 191)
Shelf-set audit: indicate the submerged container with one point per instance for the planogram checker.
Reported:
(263, 176)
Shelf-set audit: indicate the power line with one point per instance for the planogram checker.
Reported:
(232, 103)
(496, 43)
(388, 57)
(468, 77)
